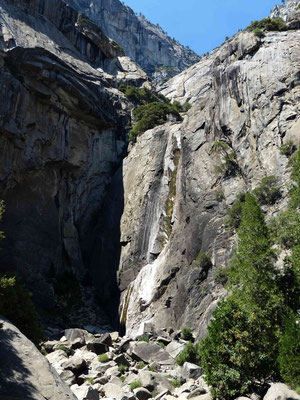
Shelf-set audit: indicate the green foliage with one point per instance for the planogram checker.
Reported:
(90, 380)
(258, 32)
(230, 354)
(181, 107)
(234, 213)
(242, 342)
(268, 24)
(175, 383)
(139, 95)
(135, 384)
(295, 176)
(285, 229)
(229, 165)
(103, 358)
(267, 192)
(152, 368)
(16, 305)
(67, 350)
(188, 354)
(161, 344)
(117, 46)
(122, 368)
(187, 334)
(288, 148)
(202, 261)
(141, 365)
(220, 276)
(289, 351)
(219, 194)
(144, 339)
(150, 115)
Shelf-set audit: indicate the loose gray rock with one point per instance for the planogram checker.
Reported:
(280, 391)
(85, 392)
(142, 393)
(191, 371)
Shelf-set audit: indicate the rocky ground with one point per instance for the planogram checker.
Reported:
(113, 367)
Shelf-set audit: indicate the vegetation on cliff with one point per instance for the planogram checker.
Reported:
(255, 333)
(151, 109)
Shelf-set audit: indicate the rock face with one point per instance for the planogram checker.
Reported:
(284, 10)
(24, 371)
(245, 93)
(63, 137)
(143, 42)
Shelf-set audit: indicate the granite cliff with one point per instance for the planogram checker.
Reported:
(77, 204)
(245, 94)
(147, 44)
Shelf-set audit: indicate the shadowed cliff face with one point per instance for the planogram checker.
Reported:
(245, 93)
(63, 137)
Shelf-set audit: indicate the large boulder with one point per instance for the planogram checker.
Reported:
(191, 371)
(280, 391)
(151, 352)
(24, 372)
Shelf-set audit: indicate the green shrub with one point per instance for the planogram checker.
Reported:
(117, 46)
(16, 305)
(90, 380)
(220, 276)
(103, 358)
(258, 32)
(161, 344)
(150, 115)
(288, 148)
(219, 194)
(202, 261)
(152, 368)
(268, 24)
(188, 354)
(234, 213)
(175, 383)
(229, 166)
(67, 350)
(187, 334)
(122, 368)
(135, 384)
(295, 176)
(267, 192)
(141, 365)
(144, 339)
(289, 351)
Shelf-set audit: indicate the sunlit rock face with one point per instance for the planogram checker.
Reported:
(143, 42)
(245, 93)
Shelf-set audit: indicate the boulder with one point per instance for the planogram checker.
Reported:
(114, 391)
(57, 359)
(191, 371)
(174, 348)
(96, 345)
(280, 391)
(151, 352)
(142, 393)
(105, 339)
(76, 337)
(122, 360)
(76, 364)
(24, 372)
(154, 382)
(85, 392)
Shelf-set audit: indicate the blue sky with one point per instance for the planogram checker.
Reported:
(202, 25)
